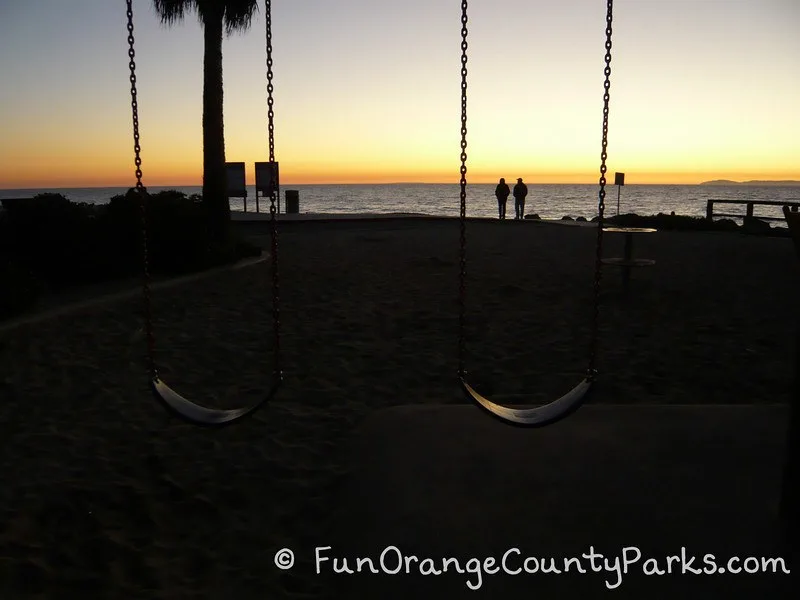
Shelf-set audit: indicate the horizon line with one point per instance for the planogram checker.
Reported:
(609, 183)
(283, 185)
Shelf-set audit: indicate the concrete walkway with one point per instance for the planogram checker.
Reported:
(97, 294)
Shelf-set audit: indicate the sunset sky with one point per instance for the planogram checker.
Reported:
(368, 91)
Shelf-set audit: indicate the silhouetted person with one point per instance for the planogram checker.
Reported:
(520, 191)
(502, 192)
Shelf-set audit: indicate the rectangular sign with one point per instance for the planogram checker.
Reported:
(619, 178)
(236, 183)
(264, 172)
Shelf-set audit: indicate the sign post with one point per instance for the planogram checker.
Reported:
(619, 181)
(264, 173)
(236, 183)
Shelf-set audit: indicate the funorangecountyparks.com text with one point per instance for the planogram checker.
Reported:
(392, 561)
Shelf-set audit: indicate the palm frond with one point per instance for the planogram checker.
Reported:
(237, 15)
(172, 11)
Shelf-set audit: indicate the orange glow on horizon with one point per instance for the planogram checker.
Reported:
(154, 177)
(356, 103)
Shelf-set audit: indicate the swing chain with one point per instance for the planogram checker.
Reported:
(463, 183)
(602, 195)
(273, 193)
(142, 193)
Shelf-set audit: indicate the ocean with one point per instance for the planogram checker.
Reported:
(550, 201)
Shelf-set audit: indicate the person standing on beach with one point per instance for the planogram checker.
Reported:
(520, 191)
(502, 192)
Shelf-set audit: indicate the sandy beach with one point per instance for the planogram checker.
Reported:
(103, 494)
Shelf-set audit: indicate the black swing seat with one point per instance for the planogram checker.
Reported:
(537, 416)
(197, 414)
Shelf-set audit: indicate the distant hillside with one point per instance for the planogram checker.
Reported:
(784, 182)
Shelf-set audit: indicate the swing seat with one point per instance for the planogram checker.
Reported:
(628, 262)
(197, 414)
(537, 416)
(191, 412)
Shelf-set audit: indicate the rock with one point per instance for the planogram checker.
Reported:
(581, 219)
(726, 225)
(534, 216)
(567, 218)
(755, 226)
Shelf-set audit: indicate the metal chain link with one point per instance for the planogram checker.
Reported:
(462, 282)
(273, 196)
(602, 197)
(142, 193)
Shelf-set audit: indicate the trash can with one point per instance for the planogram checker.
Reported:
(292, 202)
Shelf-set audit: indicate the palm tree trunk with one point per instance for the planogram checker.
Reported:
(215, 196)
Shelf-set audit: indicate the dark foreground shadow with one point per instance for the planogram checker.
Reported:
(679, 491)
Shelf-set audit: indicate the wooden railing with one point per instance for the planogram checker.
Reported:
(750, 204)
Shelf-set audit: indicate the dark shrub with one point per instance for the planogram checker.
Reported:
(40, 203)
(56, 239)
(48, 240)
(177, 240)
(177, 233)
(663, 221)
(19, 288)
